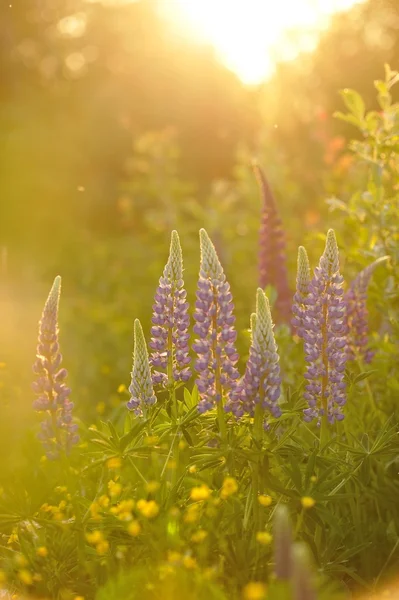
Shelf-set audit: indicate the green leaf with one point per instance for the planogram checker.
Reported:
(354, 103)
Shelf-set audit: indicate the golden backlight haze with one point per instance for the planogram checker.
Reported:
(250, 36)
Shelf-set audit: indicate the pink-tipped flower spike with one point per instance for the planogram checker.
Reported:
(357, 313)
(325, 340)
(58, 432)
(141, 389)
(170, 337)
(214, 326)
(272, 249)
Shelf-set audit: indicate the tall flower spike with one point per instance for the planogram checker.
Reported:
(282, 543)
(302, 290)
(272, 252)
(58, 432)
(214, 326)
(169, 341)
(357, 314)
(325, 342)
(261, 382)
(141, 390)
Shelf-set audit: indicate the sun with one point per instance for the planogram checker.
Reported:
(250, 36)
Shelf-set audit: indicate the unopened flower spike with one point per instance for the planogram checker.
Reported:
(302, 577)
(170, 337)
(141, 389)
(357, 314)
(261, 382)
(214, 326)
(325, 341)
(282, 543)
(58, 432)
(302, 290)
(272, 248)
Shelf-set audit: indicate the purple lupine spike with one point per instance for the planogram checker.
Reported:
(58, 432)
(214, 326)
(261, 381)
(325, 342)
(169, 342)
(141, 390)
(357, 313)
(302, 290)
(272, 245)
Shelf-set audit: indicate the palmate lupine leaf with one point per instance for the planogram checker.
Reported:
(272, 248)
(58, 432)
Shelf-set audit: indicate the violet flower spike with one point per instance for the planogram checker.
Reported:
(58, 432)
(325, 341)
(357, 313)
(141, 390)
(261, 381)
(272, 248)
(170, 338)
(302, 290)
(214, 326)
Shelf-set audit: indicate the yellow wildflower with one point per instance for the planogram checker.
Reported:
(173, 556)
(189, 562)
(199, 536)
(102, 547)
(60, 489)
(13, 539)
(182, 444)
(94, 537)
(152, 486)
(114, 463)
(103, 501)
(42, 551)
(122, 388)
(308, 502)
(94, 511)
(79, 598)
(200, 492)
(313, 479)
(229, 487)
(265, 500)
(134, 528)
(254, 591)
(25, 576)
(264, 537)
(192, 513)
(114, 488)
(192, 469)
(148, 508)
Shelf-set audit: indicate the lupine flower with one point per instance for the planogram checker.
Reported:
(302, 290)
(302, 580)
(282, 543)
(141, 390)
(214, 326)
(58, 432)
(169, 342)
(324, 334)
(357, 313)
(261, 382)
(272, 255)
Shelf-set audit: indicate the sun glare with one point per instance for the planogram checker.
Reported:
(250, 36)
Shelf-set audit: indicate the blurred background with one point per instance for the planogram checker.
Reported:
(122, 120)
